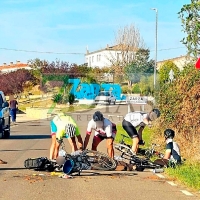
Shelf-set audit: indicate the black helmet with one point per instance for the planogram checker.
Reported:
(169, 133)
(154, 114)
(98, 116)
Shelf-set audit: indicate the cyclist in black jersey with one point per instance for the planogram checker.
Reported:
(172, 153)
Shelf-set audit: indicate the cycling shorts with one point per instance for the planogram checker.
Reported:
(69, 131)
(130, 129)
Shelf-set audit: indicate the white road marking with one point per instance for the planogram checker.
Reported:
(159, 175)
(171, 183)
(186, 192)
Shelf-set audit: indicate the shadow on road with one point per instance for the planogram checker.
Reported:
(25, 150)
(13, 168)
(106, 173)
(14, 137)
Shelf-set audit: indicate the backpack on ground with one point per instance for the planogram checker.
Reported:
(39, 164)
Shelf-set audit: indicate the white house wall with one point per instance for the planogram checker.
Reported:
(101, 58)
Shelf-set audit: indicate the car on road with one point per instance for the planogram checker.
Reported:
(105, 97)
(4, 117)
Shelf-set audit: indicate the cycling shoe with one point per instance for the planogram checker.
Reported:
(141, 142)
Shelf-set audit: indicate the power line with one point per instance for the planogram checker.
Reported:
(65, 53)
(47, 52)
(168, 49)
(171, 48)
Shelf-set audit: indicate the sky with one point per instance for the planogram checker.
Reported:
(63, 30)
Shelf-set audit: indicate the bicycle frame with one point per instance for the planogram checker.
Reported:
(141, 163)
(88, 159)
(148, 152)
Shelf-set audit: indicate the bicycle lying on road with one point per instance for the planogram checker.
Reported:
(147, 152)
(73, 163)
(142, 159)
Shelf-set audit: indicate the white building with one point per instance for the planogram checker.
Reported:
(6, 68)
(107, 56)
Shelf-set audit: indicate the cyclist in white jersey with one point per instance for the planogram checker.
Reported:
(137, 119)
(104, 129)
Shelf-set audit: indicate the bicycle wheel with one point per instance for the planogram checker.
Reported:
(124, 149)
(100, 160)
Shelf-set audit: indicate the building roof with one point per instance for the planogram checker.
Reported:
(118, 47)
(13, 67)
(176, 58)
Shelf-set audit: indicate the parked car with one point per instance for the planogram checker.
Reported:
(105, 97)
(4, 117)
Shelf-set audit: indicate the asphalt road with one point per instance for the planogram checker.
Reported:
(32, 139)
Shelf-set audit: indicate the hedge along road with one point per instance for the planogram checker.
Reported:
(32, 139)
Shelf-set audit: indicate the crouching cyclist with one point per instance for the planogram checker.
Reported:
(172, 153)
(103, 129)
(64, 126)
(137, 119)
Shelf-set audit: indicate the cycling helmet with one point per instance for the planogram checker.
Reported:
(98, 116)
(154, 114)
(169, 133)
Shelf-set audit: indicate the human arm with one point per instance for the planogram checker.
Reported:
(79, 138)
(140, 130)
(88, 133)
(87, 138)
(16, 105)
(167, 154)
(168, 151)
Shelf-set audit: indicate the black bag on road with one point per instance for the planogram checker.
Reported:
(40, 164)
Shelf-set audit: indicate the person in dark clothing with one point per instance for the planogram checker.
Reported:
(13, 109)
(172, 154)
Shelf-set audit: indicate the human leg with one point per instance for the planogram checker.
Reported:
(96, 140)
(110, 149)
(72, 142)
(135, 144)
(12, 115)
(80, 141)
(132, 132)
(162, 162)
(56, 150)
(52, 147)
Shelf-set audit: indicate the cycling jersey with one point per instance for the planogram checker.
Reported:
(105, 129)
(174, 149)
(59, 124)
(136, 118)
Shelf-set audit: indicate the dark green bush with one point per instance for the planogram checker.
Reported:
(57, 98)
(71, 98)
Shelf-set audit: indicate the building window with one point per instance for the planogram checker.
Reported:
(89, 61)
(100, 57)
(92, 58)
(118, 56)
(97, 58)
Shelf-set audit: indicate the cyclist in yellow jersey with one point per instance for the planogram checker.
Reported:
(64, 126)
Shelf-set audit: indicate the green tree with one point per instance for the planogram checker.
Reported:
(142, 60)
(136, 88)
(144, 85)
(164, 72)
(139, 67)
(189, 15)
(36, 66)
